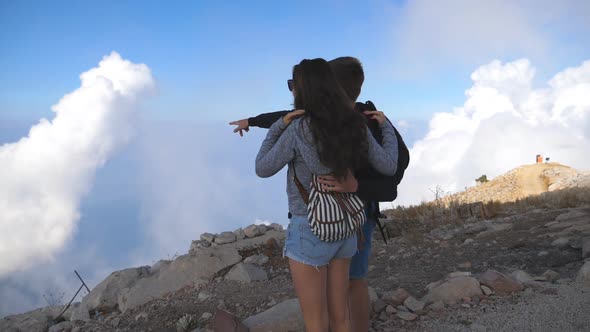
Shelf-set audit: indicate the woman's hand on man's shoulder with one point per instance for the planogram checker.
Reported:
(287, 119)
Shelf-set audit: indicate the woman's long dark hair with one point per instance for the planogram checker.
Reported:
(337, 129)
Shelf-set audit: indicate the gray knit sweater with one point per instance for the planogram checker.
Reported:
(294, 146)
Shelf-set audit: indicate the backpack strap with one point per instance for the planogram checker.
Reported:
(302, 191)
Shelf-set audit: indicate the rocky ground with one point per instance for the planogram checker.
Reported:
(425, 279)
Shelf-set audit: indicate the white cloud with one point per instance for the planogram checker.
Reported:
(44, 176)
(503, 124)
(200, 178)
(429, 33)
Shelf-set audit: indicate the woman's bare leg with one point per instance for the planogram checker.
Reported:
(310, 285)
(338, 295)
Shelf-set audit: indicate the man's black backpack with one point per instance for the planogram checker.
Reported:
(384, 188)
(403, 159)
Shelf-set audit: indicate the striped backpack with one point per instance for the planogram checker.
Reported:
(332, 216)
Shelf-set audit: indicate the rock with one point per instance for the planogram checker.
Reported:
(206, 315)
(486, 290)
(254, 231)
(246, 273)
(283, 317)
(116, 322)
(494, 228)
(406, 315)
(204, 296)
(468, 241)
(464, 265)
(390, 310)
(572, 214)
(443, 234)
(373, 295)
(383, 316)
(395, 297)
(186, 270)
(562, 242)
(63, 326)
(141, 316)
(256, 260)
(239, 234)
(414, 305)
(475, 228)
(521, 276)
(583, 276)
(586, 247)
(225, 237)
(551, 276)
(197, 244)
(379, 305)
(457, 274)
(499, 283)
(207, 237)
(158, 265)
(105, 296)
(453, 290)
(543, 253)
(277, 227)
(437, 306)
(80, 313)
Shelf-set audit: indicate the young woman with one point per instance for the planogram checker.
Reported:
(329, 138)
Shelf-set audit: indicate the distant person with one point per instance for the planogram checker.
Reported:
(368, 183)
(329, 139)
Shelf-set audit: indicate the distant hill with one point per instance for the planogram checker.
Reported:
(522, 182)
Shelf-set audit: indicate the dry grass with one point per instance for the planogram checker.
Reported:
(445, 210)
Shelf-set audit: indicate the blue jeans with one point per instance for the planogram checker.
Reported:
(303, 246)
(359, 266)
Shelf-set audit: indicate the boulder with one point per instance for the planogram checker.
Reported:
(256, 260)
(254, 231)
(186, 270)
(80, 312)
(284, 317)
(239, 234)
(208, 237)
(551, 276)
(414, 305)
(499, 283)
(225, 237)
(35, 321)
(395, 297)
(105, 296)
(562, 242)
(246, 273)
(453, 290)
(61, 327)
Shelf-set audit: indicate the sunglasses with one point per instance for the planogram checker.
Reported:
(290, 85)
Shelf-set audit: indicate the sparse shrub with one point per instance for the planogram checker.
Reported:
(482, 179)
(187, 322)
(54, 298)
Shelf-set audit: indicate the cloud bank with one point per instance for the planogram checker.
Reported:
(44, 176)
(504, 123)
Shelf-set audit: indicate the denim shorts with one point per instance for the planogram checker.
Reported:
(359, 266)
(303, 246)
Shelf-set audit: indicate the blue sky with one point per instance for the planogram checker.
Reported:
(219, 61)
(200, 52)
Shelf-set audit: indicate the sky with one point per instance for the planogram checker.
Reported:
(114, 144)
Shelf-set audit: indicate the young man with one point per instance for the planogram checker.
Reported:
(370, 185)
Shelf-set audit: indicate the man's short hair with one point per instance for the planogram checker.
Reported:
(349, 73)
